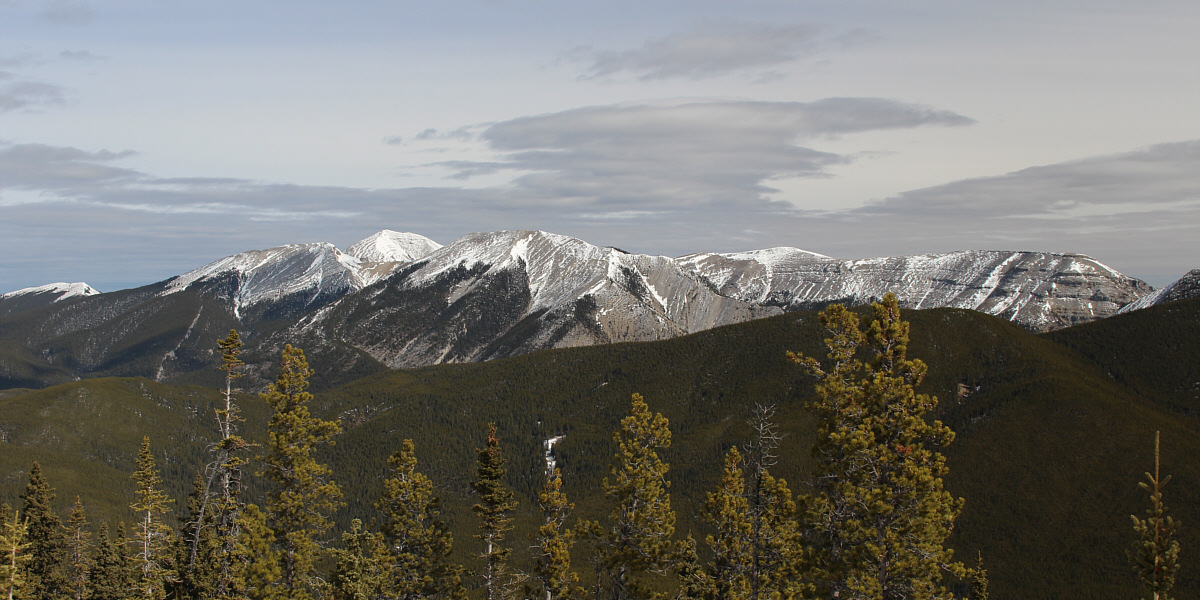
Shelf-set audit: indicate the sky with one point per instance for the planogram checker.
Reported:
(140, 139)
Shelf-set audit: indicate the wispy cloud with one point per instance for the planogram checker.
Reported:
(683, 153)
(708, 50)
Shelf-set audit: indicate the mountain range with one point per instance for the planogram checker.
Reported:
(403, 300)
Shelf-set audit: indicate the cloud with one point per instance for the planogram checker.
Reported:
(78, 55)
(682, 153)
(708, 50)
(67, 12)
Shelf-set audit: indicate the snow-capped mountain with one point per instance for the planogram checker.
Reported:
(496, 294)
(297, 278)
(1185, 287)
(398, 299)
(42, 295)
(1038, 290)
(393, 246)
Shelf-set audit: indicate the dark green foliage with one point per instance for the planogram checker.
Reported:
(199, 553)
(303, 496)
(111, 575)
(153, 539)
(494, 511)
(417, 538)
(1045, 434)
(552, 561)
(79, 551)
(45, 573)
(635, 543)
(879, 515)
(1155, 554)
(362, 569)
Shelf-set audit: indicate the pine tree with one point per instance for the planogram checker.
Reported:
(45, 572)
(303, 497)
(109, 577)
(879, 515)
(361, 572)
(15, 548)
(152, 536)
(1155, 555)
(255, 561)
(774, 539)
(552, 565)
(418, 541)
(729, 512)
(221, 503)
(79, 557)
(636, 544)
(695, 582)
(494, 510)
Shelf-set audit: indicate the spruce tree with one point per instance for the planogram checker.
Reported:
(45, 572)
(303, 496)
(552, 564)
(636, 544)
(879, 515)
(979, 580)
(774, 545)
(79, 555)
(109, 576)
(494, 510)
(152, 536)
(695, 582)
(1155, 554)
(15, 548)
(418, 540)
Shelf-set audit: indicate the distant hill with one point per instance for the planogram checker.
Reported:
(1054, 431)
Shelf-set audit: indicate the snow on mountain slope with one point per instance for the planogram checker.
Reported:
(1041, 291)
(1185, 287)
(507, 292)
(393, 246)
(43, 295)
(60, 291)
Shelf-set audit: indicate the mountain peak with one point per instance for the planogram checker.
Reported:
(393, 246)
(62, 290)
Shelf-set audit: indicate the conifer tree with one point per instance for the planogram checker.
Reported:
(45, 572)
(636, 544)
(14, 547)
(255, 561)
(109, 576)
(199, 556)
(152, 536)
(494, 510)
(1155, 554)
(79, 555)
(979, 580)
(418, 540)
(552, 565)
(773, 543)
(695, 582)
(361, 572)
(303, 497)
(221, 503)
(729, 512)
(879, 515)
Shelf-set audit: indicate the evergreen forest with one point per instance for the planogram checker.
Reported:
(849, 453)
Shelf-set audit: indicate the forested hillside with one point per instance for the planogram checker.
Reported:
(1053, 433)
